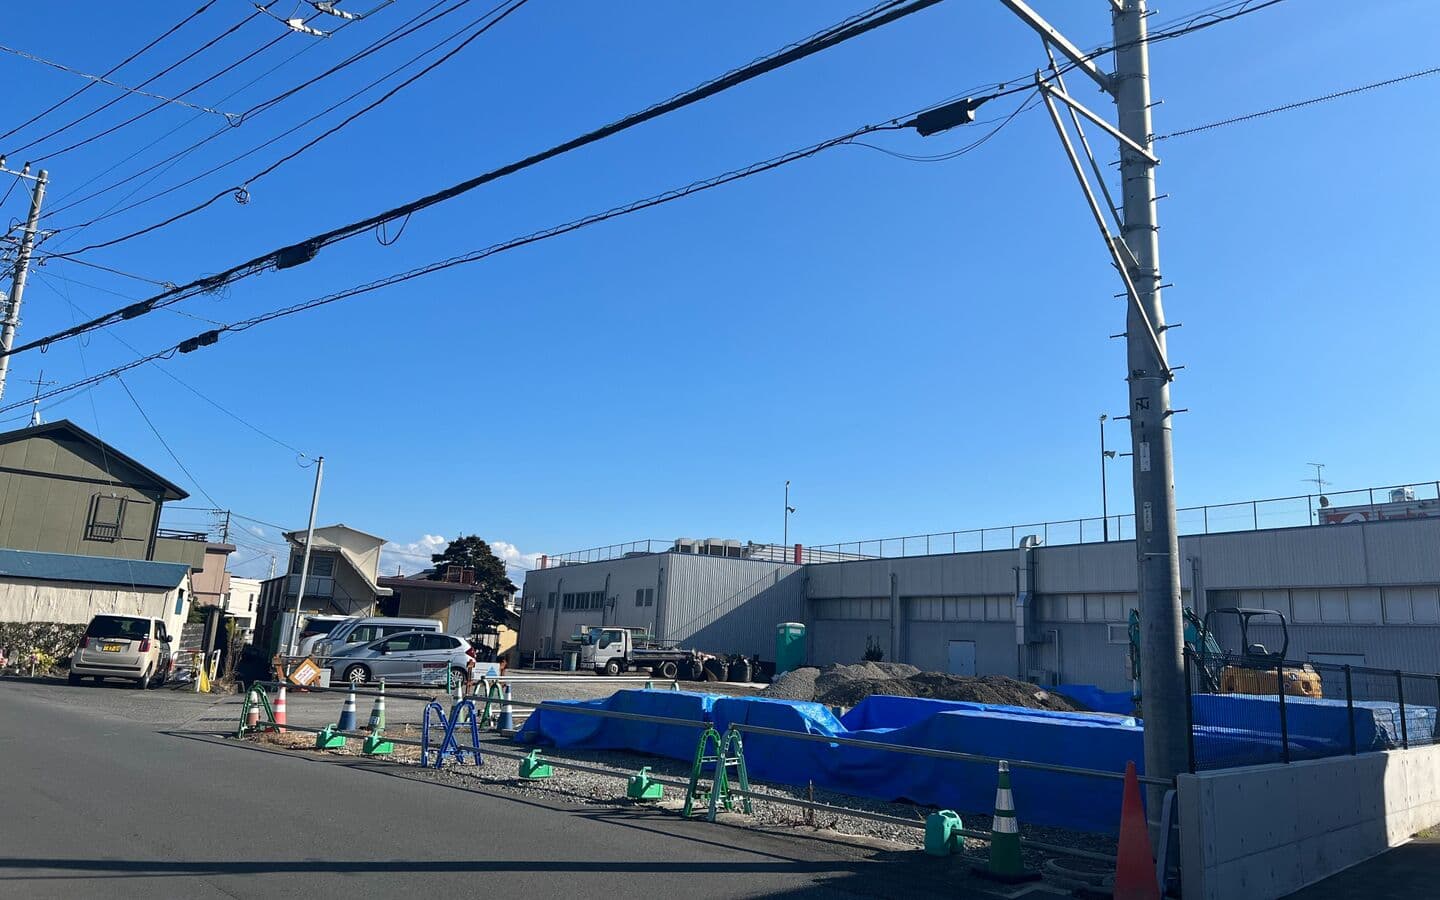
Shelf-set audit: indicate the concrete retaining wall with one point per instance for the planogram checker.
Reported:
(1262, 832)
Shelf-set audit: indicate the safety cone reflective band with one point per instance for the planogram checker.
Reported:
(507, 714)
(1135, 861)
(252, 711)
(279, 710)
(347, 712)
(1005, 863)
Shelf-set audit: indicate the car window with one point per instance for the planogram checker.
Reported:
(128, 627)
(401, 642)
(321, 626)
(395, 629)
(364, 634)
(440, 642)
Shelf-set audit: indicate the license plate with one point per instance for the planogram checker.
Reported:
(112, 648)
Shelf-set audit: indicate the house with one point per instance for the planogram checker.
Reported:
(70, 589)
(417, 596)
(343, 580)
(63, 490)
(241, 601)
(211, 584)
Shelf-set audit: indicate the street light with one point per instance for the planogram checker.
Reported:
(785, 541)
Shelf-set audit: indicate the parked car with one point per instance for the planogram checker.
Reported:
(133, 647)
(410, 656)
(317, 629)
(357, 631)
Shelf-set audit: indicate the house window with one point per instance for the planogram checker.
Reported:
(107, 515)
(320, 566)
(549, 600)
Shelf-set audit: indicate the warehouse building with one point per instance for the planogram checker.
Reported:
(1364, 592)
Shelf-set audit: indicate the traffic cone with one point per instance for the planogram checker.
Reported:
(280, 710)
(507, 714)
(347, 713)
(1005, 864)
(252, 712)
(1135, 860)
(375, 744)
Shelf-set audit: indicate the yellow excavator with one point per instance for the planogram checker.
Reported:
(1252, 670)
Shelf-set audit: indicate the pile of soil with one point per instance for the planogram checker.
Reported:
(848, 685)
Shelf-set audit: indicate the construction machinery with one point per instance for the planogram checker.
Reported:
(1254, 669)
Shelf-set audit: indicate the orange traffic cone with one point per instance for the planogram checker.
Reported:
(280, 710)
(1135, 861)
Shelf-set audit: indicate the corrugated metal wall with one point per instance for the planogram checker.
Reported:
(726, 605)
(539, 621)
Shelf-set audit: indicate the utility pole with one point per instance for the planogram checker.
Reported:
(1156, 544)
(39, 382)
(305, 560)
(22, 271)
(225, 529)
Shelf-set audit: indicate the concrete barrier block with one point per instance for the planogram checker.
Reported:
(1272, 873)
(1323, 805)
(1243, 827)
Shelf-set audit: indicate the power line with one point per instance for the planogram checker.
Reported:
(113, 211)
(296, 254)
(414, 24)
(159, 437)
(111, 71)
(1323, 98)
(103, 80)
(210, 337)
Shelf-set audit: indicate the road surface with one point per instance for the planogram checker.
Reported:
(111, 792)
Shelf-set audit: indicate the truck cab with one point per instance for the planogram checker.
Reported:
(606, 649)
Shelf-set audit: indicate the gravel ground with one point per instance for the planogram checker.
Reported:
(499, 772)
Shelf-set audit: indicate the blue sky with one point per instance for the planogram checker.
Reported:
(917, 346)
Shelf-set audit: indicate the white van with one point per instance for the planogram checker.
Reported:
(358, 631)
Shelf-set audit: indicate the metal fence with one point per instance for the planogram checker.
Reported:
(1414, 500)
(1359, 710)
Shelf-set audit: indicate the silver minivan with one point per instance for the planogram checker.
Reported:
(356, 632)
(413, 657)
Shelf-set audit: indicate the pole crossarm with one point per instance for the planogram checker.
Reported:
(1120, 254)
(1109, 129)
(1053, 37)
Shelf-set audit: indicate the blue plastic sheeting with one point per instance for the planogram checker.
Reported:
(1091, 697)
(555, 728)
(878, 711)
(1315, 727)
(1044, 798)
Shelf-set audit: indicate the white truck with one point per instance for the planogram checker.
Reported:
(611, 649)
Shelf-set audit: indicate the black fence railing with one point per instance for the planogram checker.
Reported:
(1241, 716)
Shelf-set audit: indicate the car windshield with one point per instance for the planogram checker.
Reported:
(127, 627)
(321, 626)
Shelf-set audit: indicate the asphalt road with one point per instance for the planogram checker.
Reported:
(111, 792)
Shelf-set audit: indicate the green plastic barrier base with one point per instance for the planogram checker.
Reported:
(533, 768)
(942, 833)
(641, 788)
(375, 745)
(329, 739)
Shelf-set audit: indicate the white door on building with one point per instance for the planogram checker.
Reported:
(962, 658)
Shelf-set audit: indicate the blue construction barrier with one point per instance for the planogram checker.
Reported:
(1316, 727)
(879, 711)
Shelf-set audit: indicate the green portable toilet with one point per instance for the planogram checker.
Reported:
(789, 646)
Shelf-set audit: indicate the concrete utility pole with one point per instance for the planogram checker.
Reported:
(17, 281)
(1156, 544)
(305, 560)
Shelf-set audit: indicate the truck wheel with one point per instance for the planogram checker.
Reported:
(668, 669)
(612, 667)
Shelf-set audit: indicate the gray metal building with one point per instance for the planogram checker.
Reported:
(1365, 593)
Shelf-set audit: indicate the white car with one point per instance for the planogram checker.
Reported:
(317, 629)
(133, 647)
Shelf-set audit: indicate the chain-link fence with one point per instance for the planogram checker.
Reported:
(1247, 715)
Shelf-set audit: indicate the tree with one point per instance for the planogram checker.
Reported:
(492, 585)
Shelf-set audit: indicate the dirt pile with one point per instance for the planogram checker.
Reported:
(848, 685)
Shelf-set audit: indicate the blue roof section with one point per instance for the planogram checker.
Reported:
(90, 569)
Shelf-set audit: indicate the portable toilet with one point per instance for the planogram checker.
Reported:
(789, 646)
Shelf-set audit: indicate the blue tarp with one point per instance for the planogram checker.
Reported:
(554, 728)
(879, 711)
(1230, 730)
(1091, 697)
